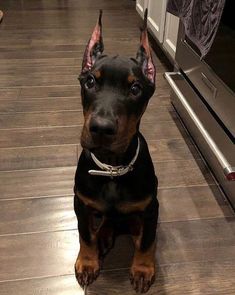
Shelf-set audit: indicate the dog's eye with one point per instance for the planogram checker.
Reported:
(90, 82)
(136, 89)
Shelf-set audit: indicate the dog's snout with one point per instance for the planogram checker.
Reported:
(103, 127)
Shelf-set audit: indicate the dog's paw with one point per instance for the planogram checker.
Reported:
(86, 271)
(142, 277)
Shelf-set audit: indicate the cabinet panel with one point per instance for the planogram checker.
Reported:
(156, 17)
(171, 33)
(141, 5)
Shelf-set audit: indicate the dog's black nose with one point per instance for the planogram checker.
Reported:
(103, 127)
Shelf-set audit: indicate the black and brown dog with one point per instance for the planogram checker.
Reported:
(115, 183)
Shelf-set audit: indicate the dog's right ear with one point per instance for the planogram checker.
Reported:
(144, 56)
(94, 47)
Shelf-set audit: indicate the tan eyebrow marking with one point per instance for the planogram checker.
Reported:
(97, 74)
(131, 78)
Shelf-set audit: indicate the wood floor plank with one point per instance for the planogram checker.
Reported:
(64, 118)
(54, 253)
(40, 136)
(158, 100)
(59, 181)
(41, 119)
(22, 158)
(46, 78)
(172, 150)
(40, 105)
(37, 79)
(37, 183)
(198, 240)
(175, 279)
(50, 254)
(54, 69)
(42, 62)
(71, 135)
(62, 285)
(50, 214)
(36, 255)
(192, 279)
(183, 173)
(72, 6)
(165, 130)
(37, 215)
(38, 157)
(190, 203)
(49, 91)
(6, 93)
(155, 114)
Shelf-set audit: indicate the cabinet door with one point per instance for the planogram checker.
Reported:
(156, 17)
(140, 6)
(171, 33)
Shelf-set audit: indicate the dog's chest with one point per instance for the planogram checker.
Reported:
(115, 197)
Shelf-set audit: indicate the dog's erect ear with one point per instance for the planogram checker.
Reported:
(94, 47)
(144, 56)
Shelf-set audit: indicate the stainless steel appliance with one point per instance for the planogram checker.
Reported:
(203, 93)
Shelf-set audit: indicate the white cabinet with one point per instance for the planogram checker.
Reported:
(141, 5)
(171, 33)
(163, 25)
(156, 17)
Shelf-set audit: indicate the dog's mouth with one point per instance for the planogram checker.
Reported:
(105, 147)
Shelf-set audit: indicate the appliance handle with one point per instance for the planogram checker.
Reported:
(228, 170)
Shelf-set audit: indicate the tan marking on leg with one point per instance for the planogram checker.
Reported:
(87, 265)
(143, 267)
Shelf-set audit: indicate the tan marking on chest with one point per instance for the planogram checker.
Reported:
(95, 204)
(128, 207)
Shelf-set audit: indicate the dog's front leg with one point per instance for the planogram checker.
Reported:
(87, 265)
(142, 273)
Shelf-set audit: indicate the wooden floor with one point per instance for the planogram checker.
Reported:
(41, 46)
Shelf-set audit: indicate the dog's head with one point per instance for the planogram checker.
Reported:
(115, 92)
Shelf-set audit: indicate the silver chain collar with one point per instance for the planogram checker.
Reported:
(113, 171)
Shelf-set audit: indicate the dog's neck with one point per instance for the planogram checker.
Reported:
(119, 159)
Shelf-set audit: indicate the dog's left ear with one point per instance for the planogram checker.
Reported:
(94, 47)
(144, 56)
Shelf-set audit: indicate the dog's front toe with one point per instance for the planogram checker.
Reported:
(86, 272)
(142, 277)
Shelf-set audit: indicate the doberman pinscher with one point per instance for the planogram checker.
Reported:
(115, 183)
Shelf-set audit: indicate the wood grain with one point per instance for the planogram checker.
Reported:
(71, 135)
(37, 183)
(192, 203)
(40, 105)
(37, 215)
(50, 214)
(180, 242)
(59, 181)
(38, 157)
(184, 278)
(190, 278)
